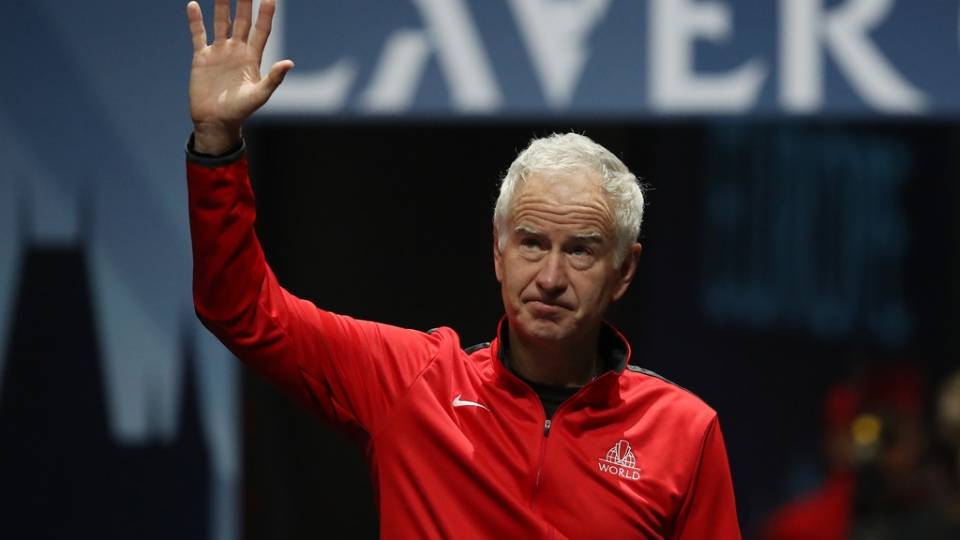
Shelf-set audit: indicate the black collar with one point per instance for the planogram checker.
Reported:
(611, 350)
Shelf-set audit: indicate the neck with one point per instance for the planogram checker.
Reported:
(570, 363)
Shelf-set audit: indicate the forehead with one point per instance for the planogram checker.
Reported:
(570, 200)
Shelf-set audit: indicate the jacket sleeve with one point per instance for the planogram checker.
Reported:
(350, 372)
(709, 509)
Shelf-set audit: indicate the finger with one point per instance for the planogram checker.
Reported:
(273, 79)
(241, 24)
(264, 22)
(221, 19)
(197, 32)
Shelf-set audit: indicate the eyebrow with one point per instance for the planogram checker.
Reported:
(592, 237)
(523, 229)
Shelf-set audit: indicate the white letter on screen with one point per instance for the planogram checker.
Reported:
(556, 34)
(451, 34)
(674, 85)
(322, 91)
(843, 31)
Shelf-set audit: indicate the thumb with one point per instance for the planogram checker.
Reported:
(274, 77)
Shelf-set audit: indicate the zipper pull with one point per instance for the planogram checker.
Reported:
(546, 427)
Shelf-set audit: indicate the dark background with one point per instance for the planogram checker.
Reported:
(119, 413)
(391, 222)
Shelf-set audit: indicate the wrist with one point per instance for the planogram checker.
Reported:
(215, 139)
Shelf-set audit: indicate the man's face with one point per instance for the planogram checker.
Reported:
(557, 268)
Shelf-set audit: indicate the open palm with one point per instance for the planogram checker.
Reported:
(225, 83)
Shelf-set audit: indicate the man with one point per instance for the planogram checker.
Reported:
(545, 432)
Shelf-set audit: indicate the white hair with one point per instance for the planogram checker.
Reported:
(570, 152)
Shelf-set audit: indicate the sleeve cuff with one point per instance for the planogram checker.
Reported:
(207, 160)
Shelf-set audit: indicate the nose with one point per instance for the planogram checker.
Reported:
(552, 276)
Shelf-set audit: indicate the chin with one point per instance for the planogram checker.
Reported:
(545, 329)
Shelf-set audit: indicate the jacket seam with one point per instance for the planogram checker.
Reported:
(301, 369)
(684, 507)
(374, 433)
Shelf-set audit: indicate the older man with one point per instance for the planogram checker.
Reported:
(545, 432)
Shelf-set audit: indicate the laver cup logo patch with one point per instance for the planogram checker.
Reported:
(620, 462)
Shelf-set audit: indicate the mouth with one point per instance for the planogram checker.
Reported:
(543, 309)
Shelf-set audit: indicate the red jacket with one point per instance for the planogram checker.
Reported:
(459, 447)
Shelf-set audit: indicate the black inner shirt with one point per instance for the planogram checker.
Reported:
(610, 350)
(550, 396)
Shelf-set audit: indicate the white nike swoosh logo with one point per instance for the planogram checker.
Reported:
(457, 402)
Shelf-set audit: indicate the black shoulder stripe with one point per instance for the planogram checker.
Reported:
(650, 373)
(474, 348)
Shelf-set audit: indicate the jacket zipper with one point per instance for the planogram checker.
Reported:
(543, 455)
(543, 444)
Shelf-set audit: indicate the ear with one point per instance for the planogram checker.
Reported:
(628, 268)
(497, 256)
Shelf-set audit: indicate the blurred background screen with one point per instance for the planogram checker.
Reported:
(799, 273)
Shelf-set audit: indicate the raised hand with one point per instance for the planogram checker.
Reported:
(225, 83)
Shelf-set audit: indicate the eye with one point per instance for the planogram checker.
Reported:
(582, 256)
(530, 243)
